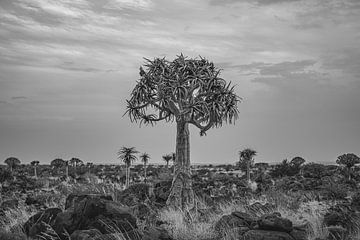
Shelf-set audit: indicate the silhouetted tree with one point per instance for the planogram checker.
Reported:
(127, 155)
(145, 159)
(12, 162)
(167, 158)
(59, 163)
(348, 160)
(75, 162)
(246, 158)
(188, 91)
(35, 164)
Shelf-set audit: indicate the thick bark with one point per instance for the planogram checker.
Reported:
(35, 174)
(181, 194)
(248, 171)
(145, 171)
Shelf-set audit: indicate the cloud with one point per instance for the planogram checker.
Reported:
(18, 97)
(259, 2)
(3, 102)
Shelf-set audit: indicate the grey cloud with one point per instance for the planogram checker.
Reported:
(258, 2)
(18, 97)
(3, 102)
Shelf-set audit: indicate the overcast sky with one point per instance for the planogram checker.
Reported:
(67, 67)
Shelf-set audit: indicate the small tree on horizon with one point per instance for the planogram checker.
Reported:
(145, 159)
(167, 158)
(188, 91)
(348, 161)
(246, 158)
(127, 155)
(12, 162)
(35, 164)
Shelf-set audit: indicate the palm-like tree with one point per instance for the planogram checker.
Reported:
(145, 159)
(58, 163)
(246, 158)
(348, 161)
(12, 162)
(35, 164)
(167, 158)
(75, 162)
(187, 91)
(89, 165)
(127, 155)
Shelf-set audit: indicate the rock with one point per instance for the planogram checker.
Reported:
(95, 212)
(250, 220)
(266, 235)
(156, 233)
(34, 226)
(230, 224)
(85, 234)
(72, 199)
(274, 222)
(299, 233)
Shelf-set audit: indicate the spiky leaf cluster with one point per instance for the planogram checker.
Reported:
(184, 89)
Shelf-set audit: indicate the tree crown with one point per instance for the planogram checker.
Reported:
(127, 155)
(185, 89)
(349, 160)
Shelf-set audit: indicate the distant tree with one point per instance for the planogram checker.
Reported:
(89, 165)
(75, 162)
(59, 163)
(188, 91)
(127, 155)
(12, 162)
(246, 158)
(348, 160)
(296, 164)
(35, 164)
(145, 157)
(5, 175)
(167, 158)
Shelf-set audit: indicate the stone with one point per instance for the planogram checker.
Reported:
(32, 226)
(156, 233)
(72, 199)
(274, 222)
(266, 235)
(85, 234)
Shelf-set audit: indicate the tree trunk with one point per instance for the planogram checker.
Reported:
(67, 172)
(145, 172)
(248, 171)
(35, 174)
(181, 193)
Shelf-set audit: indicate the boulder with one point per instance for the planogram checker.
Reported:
(274, 222)
(85, 234)
(247, 218)
(230, 224)
(35, 224)
(266, 235)
(156, 233)
(72, 199)
(95, 213)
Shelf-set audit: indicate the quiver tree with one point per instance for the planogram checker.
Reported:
(167, 158)
(246, 159)
(187, 91)
(12, 162)
(35, 164)
(127, 155)
(348, 160)
(145, 160)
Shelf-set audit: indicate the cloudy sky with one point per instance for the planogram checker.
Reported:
(67, 67)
